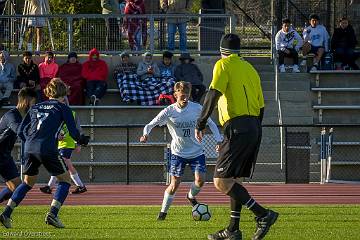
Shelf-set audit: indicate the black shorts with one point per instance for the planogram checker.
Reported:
(238, 151)
(54, 164)
(8, 169)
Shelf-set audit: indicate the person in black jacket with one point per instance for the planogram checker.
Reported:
(29, 75)
(343, 43)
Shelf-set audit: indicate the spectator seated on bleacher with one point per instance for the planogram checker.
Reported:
(288, 43)
(95, 71)
(189, 72)
(48, 70)
(29, 75)
(7, 78)
(126, 68)
(343, 43)
(316, 41)
(166, 67)
(70, 73)
(145, 87)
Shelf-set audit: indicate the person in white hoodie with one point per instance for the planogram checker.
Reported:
(288, 43)
(316, 40)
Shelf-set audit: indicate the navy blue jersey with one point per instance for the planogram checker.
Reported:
(42, 124)
(9, 124)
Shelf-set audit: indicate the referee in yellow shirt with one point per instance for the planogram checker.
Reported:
(236, 89)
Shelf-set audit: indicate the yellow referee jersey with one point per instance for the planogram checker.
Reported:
(240, 86)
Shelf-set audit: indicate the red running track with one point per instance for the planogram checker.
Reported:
(152, 194)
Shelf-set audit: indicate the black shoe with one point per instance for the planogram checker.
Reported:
(225, 234)
(161, 216)
(5, 221)
(264, 224)
(53, 220)
(79, 190)
(46, 189)
(192, 201)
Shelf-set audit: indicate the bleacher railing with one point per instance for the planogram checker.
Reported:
(81, 32)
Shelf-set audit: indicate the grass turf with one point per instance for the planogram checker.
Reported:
(139, 222)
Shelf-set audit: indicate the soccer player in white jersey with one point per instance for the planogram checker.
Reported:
(180, 119)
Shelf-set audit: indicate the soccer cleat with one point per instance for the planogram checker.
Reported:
(225, 234)
(50, 219)
(46, 189)
(161, 216)
(264, 224)
(6, 221)
(79, 190)
(192, 201)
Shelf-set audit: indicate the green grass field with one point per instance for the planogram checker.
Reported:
(139, 222)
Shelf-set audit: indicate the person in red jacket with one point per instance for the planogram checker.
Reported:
(95, 71)
(135, 27)
(48, 69)
(70, 73)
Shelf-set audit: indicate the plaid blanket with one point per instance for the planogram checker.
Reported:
(145, 92)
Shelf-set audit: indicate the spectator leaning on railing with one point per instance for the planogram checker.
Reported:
(135, 27)
(112, 26)
(179, 7)
(95, 71)
(316, 40)
(7, 78)
(343, 43)
(288, 43)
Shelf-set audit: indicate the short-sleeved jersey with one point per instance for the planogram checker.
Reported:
(67, 141)
(42, 124)
(240, 86)
(181, 123)
(9, 124)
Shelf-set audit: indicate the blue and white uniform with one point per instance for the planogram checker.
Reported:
(9, 124)
(40, 129)
(181, 123)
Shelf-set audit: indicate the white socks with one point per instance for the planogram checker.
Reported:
(194, 190)
(76, 179)
(52, 182)
(167, 201)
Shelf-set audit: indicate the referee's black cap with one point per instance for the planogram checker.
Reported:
(230, 43)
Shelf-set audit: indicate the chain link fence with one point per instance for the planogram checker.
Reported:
(291, 156)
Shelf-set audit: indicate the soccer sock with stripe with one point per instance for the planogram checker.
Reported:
(235, 215)
(52, 181)
(167, 201)
(61, 193)
(76, 179)
(16, 198)
(194, 190)
(5, 194)
(239, 193)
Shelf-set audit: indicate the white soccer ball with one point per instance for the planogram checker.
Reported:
(201, 212)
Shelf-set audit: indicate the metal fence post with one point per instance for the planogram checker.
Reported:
(70, 33)
(232, 24)
(152, 29)
(127, 156)
(286, 154)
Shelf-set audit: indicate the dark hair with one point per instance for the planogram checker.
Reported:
(314, 16)
(343, 19)
(49, 53)
(167, 54)
(24, 97)
(286, 20)
(27, 54)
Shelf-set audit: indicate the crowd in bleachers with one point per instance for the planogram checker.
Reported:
(140, 83)
(337, 52)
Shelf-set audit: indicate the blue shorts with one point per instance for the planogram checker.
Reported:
(315, 49)
(8, 169)
(66, 152)
(53, 163)
(177, 165)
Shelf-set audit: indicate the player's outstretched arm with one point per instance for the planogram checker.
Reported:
(144, 138)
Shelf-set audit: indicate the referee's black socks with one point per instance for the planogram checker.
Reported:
(241, 195)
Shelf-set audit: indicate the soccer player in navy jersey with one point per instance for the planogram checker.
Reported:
(39, 130)
(9, 124)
